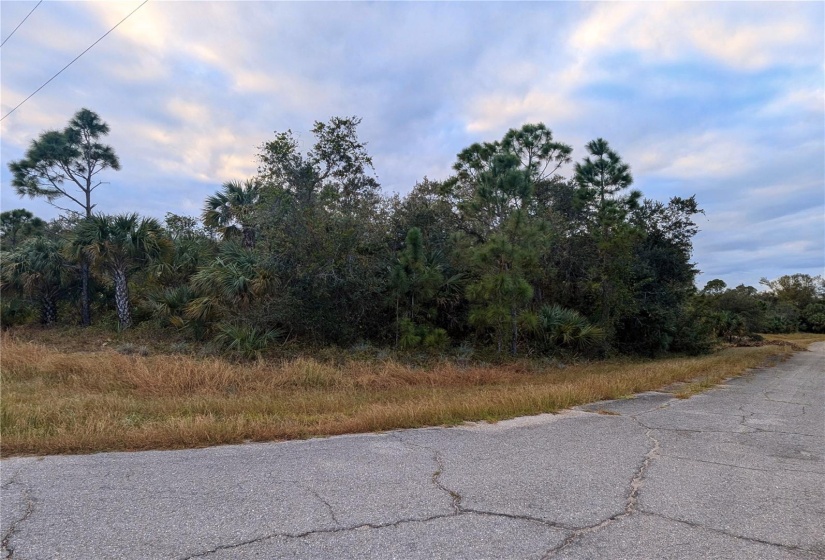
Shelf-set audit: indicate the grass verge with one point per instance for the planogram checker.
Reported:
(799, 338)
(81, 402)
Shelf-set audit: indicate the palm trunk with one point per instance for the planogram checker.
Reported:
(85, 302)
(48, 310)
(248, 237)
(124, 314)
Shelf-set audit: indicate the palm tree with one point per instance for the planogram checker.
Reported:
(120, 245)
(229, 282)
(75, 253)
(229, 210)
(37, 268)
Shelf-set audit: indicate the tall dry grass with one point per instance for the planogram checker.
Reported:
(57, 402)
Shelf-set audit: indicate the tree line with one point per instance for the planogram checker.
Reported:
(508, 253)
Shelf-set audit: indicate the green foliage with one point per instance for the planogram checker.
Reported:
(506, 252)
(693, 333)
(415, 282)
(799, 290)
(120, 245)
(600, 179)
(229, 211)
(813, 317)
(728, 325)
(414, 336)
(714, 287)
(168, 306)
(743, 302)
(18, 225)
(660, 279)
(781, 317)
(57, 162)
(14, 311)
(494, 192)
(790, 303)
(324, 233)
(501, 294)
(567, 328)
(229, 284)
(37, 269)
(245, 341)
(67, 165)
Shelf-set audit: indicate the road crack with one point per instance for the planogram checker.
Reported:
(631, 500)
(458, 508)
(5, 543)
(436, 480)
(776, 470)
(695, 525)
(318, 532)
(325, 502)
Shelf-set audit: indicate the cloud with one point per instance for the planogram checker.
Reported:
(747, 39)
(500, 111)
(718, 154)
(803, 100)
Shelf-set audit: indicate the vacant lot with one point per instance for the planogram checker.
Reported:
(55, 401)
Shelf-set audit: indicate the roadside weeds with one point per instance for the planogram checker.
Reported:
(56, 402)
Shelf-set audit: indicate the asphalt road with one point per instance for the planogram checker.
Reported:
(737, 472)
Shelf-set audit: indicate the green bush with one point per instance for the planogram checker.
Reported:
(567, 328)
(245, 341)
(813, 318)
(14, 311)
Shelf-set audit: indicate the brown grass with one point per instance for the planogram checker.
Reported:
(800, 338)
(81, 402)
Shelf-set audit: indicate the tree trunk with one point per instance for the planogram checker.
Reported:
(85, 303)
(248, 237)
(124, 314)
(514, 322)
(48, 310)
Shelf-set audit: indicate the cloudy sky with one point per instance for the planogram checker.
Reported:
(725, 101)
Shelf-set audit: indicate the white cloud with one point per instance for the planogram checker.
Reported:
(499, 111)
(290, 90)
(212, 152)
(750, 38)
(716, 153)
(801, 100)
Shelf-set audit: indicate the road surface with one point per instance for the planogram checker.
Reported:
(736, 472)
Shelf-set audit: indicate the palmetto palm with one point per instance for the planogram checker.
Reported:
(230, 282)
(568, 328)
(37, 267)
(229, 210)
(119, 245)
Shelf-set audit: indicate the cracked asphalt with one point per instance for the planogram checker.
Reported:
(736, 472)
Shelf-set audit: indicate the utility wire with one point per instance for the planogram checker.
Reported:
(73, 61)
(21, 23)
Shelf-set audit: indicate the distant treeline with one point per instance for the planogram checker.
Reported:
(507, 254)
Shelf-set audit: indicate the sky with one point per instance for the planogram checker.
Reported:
(724, 101)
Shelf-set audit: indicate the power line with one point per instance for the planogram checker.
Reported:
(73, 61)
(21, 23)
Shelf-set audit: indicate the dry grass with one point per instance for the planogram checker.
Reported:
(80, 402)
(802, 339)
